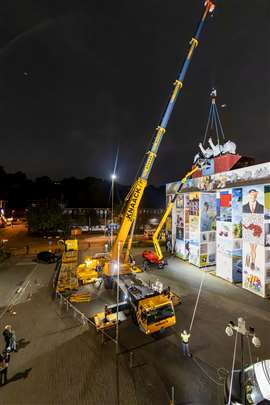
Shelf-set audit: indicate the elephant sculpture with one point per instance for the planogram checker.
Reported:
(207, 153)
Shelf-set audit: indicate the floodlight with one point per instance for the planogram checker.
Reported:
(256, 342)
(229, 330)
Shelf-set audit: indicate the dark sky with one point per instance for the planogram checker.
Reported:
(78, 78)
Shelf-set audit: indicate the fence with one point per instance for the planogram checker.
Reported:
(80, 316)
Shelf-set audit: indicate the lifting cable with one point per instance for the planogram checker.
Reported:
(197, 300)
(214, 119)
(233, 363)
(208, 122)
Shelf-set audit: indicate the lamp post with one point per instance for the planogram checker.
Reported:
(117, 327)
(113, 177)
(243, 331)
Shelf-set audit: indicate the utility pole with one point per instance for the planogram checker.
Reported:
(243, 331)
(117, 328)
(113, 178)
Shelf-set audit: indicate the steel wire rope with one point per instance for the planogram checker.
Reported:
(250, 358)
(233, 364)
(207, 125)
(219, 121)
(197, 301)
(216, 127)
(208, 376)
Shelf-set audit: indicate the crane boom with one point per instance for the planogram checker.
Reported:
(135, 195)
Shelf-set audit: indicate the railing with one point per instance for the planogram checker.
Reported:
(80, 316)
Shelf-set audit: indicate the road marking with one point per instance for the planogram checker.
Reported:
(25, 263)
(16, 295)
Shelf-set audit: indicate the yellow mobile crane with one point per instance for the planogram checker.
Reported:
(135, 194)
(151, 307)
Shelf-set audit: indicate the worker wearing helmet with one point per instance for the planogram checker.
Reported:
(185, 343)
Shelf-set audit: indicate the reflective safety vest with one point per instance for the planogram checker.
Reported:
(185, 337)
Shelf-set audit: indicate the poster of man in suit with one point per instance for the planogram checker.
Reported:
(253, 200)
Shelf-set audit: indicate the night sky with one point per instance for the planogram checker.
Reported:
(80, 78)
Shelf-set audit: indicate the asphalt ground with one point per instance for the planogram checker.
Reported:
(60, 361)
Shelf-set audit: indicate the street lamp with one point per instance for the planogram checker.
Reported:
(243, 331)
(113, 177)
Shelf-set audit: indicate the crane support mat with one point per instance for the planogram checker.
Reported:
(109, 321)
(176, 300)
(80, 298)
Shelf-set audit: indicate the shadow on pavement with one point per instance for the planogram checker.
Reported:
(19, 376)
(22, 343)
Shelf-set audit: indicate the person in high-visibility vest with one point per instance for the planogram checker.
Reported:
(185, 343)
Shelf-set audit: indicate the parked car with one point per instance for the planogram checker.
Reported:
(47, 257)
(84, 228)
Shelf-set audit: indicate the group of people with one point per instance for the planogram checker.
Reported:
(10, 346)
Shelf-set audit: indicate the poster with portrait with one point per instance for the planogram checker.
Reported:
(254, 268)
(226, 205)
(253, 228)
(267, 202)
(253, 199)
(208, 212)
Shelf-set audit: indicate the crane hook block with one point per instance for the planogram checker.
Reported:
(210, 5)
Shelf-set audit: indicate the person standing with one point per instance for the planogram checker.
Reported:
(3, 368)
(7, 336)
(10, 339)
(185, 343)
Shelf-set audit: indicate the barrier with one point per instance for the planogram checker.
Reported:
(80, 316)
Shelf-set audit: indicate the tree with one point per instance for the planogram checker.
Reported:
(42, 219)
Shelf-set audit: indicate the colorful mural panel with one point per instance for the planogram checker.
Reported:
(254, 268)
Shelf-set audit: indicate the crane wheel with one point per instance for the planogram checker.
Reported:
(134, 317)
(108, 283)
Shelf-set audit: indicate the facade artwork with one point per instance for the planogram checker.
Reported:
(194, 233)
(256, 274)
(229, 226)
(229, 234)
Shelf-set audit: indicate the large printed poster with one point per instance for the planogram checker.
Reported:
(254, 265)
(237, 196)
(253, 228)
(226, 206)
(253, 199)
(208, 212)
(267, 202)
(180, 224)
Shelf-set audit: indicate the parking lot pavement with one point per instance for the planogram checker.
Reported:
(67, 363)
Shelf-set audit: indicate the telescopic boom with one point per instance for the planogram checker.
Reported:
(135, 195)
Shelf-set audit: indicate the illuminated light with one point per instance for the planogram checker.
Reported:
(256, 342)
(113, 176)
(229, 331)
